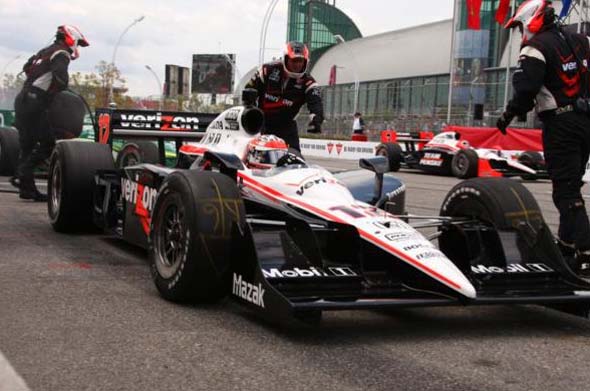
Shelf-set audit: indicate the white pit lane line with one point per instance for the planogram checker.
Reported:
(9, 379)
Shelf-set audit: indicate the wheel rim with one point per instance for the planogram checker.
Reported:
(56, 186)
(462, 163)
(171, 240)
(130, 158)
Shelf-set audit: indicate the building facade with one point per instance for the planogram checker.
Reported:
(316, 22)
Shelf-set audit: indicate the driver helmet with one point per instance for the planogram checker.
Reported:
(463, 144)
(295, 50)
(264, 151)
(531, 17)
(72, 37)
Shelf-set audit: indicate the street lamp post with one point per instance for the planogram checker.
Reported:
(115, 53)
(263, 30)
(235, 70)
(160, 87)
(340, 40)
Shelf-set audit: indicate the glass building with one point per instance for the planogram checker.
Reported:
(315, 22)
(409, 101)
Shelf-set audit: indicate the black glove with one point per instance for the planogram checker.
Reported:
(504, 121)
(314, 127)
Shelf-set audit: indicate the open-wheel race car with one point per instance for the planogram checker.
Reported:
(448, 153)
(243, 216)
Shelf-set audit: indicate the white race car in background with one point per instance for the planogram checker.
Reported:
(447, 154)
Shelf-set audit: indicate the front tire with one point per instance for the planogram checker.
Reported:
(533, 160)
(197, 225)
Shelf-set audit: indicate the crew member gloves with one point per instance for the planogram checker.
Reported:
(504, 121)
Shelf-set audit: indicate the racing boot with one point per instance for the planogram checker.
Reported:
(569, 254)
(583, 260)
(28, 190)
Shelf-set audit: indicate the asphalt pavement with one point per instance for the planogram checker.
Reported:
(81, 313)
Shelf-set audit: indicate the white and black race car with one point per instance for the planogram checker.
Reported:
(447, 154)
(294, 240)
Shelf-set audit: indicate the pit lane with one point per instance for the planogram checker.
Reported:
(80, 312)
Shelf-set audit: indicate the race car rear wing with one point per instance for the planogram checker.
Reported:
(158, 125)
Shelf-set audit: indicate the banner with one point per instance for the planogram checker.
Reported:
(337, 149)
(491, 138)
(473, 16)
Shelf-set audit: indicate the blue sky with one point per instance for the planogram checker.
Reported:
(175, 29)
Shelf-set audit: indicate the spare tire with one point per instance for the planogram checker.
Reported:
(9, 150)
(66, 115)
(137, 152)
(71, 183)
(197, 228)
(394, 154)
(465, 164)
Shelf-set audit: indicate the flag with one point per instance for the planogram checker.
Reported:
(332, 80)
(502, 11)
(473, 19)
(565, 8)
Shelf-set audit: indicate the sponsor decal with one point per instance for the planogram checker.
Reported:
(309, 272)
(275, 75)
(216, 125)
(135, 193)
(232, 115)
(339, 148)
(570, 66)
(159, 121)
(396, 192)
(309, 184)
(330, 147)
(249, 292)
(428, 255)
(104, 128)
(415, 246)
(515, 268)
(431, 159)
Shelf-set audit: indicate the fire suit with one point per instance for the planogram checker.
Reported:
(47, 74)
(552, 74)
(281, 97)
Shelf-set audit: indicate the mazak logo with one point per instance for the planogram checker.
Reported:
(249, 292)
(339, 148)
(309, 272)
(515, 268)
(159, 121)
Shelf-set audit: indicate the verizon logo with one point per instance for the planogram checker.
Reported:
(159, 121)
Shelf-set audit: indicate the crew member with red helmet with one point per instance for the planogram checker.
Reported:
(552, 75)
(47, 74)
(283, 87)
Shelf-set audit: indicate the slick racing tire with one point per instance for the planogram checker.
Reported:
(533, 160)
(71, 183)
(394, 154)
(501, 204)
(464, 164)
(197, 227)
(136, 153)
(9, 150)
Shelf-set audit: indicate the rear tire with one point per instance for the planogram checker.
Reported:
(71, 183)
(196, 229)
(465, 164)
(9, 150)
(136, 153)
(393, 153)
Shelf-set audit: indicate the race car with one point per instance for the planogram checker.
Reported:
(448, 153)
(245, 217)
